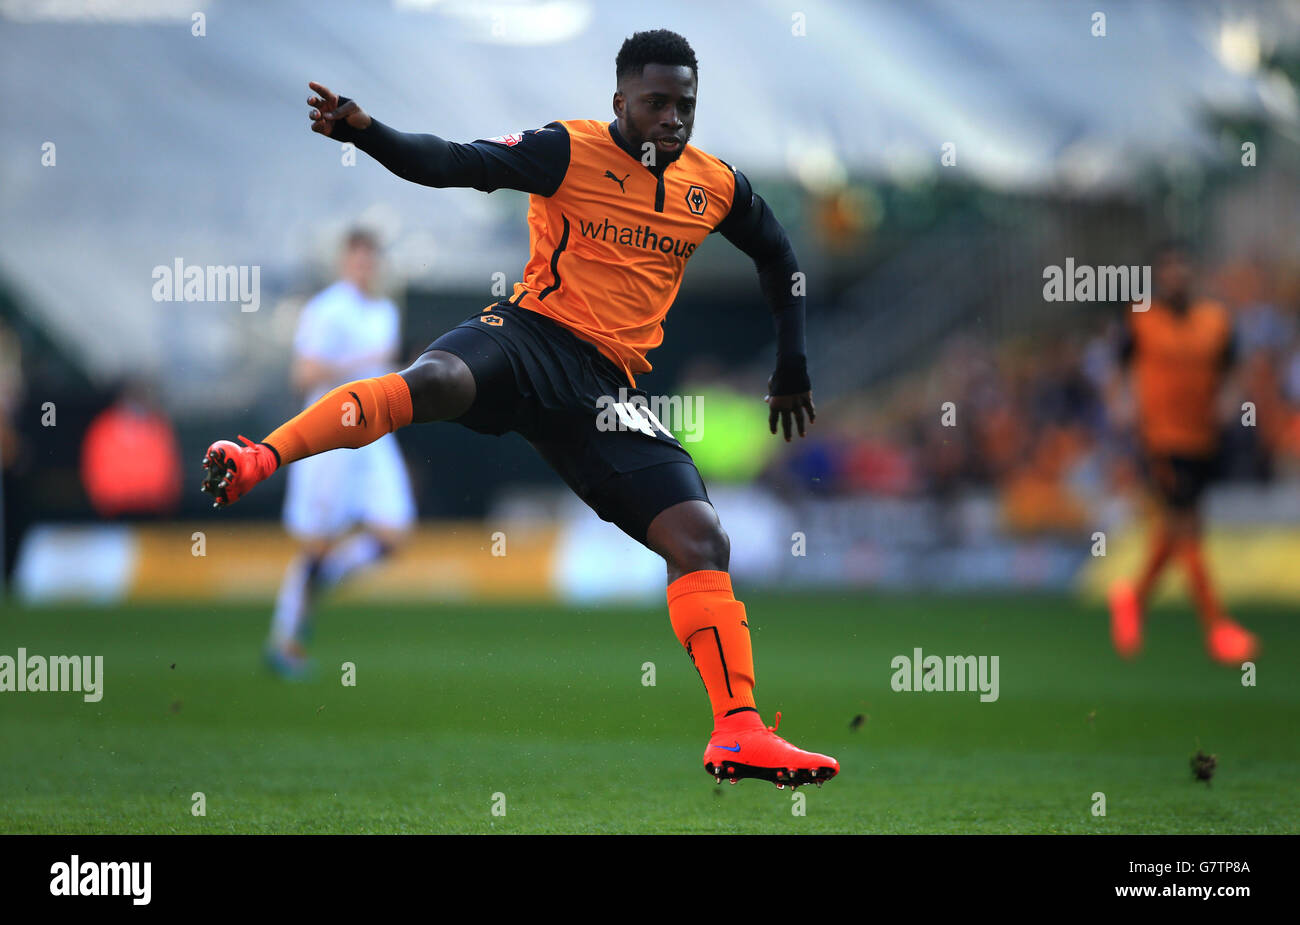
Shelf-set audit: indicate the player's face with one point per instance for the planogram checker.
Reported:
(657, 107)
(359, 266)
(1173, 274)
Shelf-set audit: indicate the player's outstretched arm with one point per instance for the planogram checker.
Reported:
(751, 226)
(533, 162)
(424, 159)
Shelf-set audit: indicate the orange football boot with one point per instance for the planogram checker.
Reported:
(741, 746)
(1125, 620)
(1229, 643)
(231, 470)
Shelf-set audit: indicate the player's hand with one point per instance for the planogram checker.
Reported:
(325, 111)
(786, 407)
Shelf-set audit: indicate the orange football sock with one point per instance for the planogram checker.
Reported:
(710, 623)
(1198, 576)
(1162, 548)
(352, 415)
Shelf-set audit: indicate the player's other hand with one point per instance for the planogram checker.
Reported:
(786, 407)
(326, 110)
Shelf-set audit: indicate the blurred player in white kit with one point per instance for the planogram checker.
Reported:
(348, 510)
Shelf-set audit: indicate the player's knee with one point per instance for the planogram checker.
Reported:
(390, 540)
(707, 547)
(690, 538)
(313, 550)
(432, 375)
(1184, 524)
(441, 385)
(721, 549)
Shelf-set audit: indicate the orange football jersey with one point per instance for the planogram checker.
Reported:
(608, 248)
(1178, 370)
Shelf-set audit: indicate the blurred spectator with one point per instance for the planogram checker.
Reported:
(151, 483)
(11, 394)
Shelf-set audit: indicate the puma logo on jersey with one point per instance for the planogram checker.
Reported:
(610, 174)
(361, 411)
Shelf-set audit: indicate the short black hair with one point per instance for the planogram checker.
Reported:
(657, 46)
(361, 237)
(1173, 244)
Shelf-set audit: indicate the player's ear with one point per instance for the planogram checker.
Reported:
(619, 101)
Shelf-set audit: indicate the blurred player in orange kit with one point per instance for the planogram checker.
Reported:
(1177, 355)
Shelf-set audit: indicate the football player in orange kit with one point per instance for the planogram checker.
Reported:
(1178, 353)
(615, 210)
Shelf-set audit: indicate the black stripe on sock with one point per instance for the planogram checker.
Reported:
(717, 640)
(726, 676)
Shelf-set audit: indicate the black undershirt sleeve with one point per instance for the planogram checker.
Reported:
(1231, 352)
(1127, 346)
(534, 161)
(751, 226)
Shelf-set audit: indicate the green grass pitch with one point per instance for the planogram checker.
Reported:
(454, 703)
